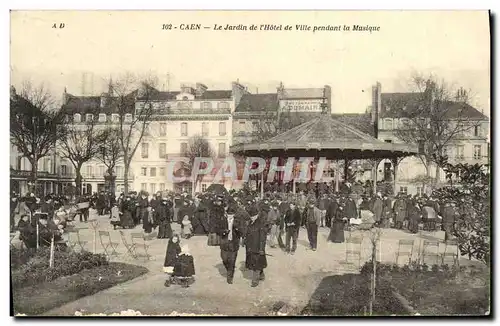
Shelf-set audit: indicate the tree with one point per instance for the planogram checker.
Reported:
(434, 116)
(198, 147)
(35, 124)
(80, 145)
(469, 189)
(110, 154)
(131, 98)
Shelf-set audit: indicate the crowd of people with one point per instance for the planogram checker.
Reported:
(233, 219)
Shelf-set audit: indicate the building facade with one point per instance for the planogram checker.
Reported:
(179, 118)
(470, 145)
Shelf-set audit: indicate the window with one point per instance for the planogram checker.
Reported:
(115, 118)
(477, 152)
(90, 171)
(206, 105)
(255, 125)
(163, 129)
(152, 172)
(144, 172)
(223, 105)
(204, 129)
(102, 117)
(222, 128)
(460, 151)
(388, 124)
(204, 187)
(477, 131)
(77, 118)
(403, 190)
(119, 172)
(420, 191)
(128, 117)
(242, 124)
(152, 188)
(388, 141)
(184, 129)
(162, 172)
(89, 117)
(421, 146)
(184, 147)
(64, 170)
(184, 98)
(144, 186)
(222, 149)
(101, 171)
(162, 187)
(144, 150)
(162, 150)
(404, 123)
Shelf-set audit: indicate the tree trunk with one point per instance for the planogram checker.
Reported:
(436, 180)
(34, 174)
(78, 179)
(126, 168)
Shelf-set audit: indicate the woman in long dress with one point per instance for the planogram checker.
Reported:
(173, 252)
(337, 228)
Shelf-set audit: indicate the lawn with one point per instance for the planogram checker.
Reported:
(37, 288)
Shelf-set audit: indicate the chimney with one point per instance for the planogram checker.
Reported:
(281, 91)
(104, 99)
(328, 97)
(65, 97)
(376, 106)
(238, 91)
(200, 89)
(12, 92)
(186, 89)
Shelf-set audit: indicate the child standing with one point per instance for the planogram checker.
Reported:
(173, 251)
(187, 228)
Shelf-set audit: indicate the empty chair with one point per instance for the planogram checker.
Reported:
(139, 241)
(431, 249)
(129, 246)
(107, 244)
(405, 249)
(451, 250)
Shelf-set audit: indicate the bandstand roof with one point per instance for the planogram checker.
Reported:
(326, 137)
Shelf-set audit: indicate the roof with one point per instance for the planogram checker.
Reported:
(327, 137)
(258, 102)
(207, 95)
(303, 93)
(362, 121)
(92, 104)
(395, 105)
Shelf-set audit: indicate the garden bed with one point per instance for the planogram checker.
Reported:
(39, 298)
(440, 290)
(348, 295)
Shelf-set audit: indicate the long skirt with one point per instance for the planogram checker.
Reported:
(164, 230)
(146, 224)
(126, 220)
(255, 261)
(413, 226)
(337, 232)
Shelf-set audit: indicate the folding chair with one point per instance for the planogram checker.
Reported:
(130, 246)
(353, 249)
(77, 242)
(108, 243)
(408, 252)
(138, 240)
(426, 253)
(453, 245)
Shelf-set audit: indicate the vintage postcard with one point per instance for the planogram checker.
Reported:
(250, 163)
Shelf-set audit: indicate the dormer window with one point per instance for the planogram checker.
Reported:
(223, 105)
(128, 117)
(206, 105)
(388, 124)
(102, 117)
(77, 118)
(115, 118)
(185, 98)
(89, 117)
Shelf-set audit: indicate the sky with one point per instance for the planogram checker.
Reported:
(453, 45)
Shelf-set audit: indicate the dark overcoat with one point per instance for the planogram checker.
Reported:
(255, 243)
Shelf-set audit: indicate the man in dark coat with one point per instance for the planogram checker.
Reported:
(163, 218)
(101, 203)
(255, 243)
(331, 210)
(292, 225)
(230, 231)
(13, 205)
(143, 212)
(449, 214)
(399, 211)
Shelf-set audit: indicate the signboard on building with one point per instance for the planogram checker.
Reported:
(301, 105)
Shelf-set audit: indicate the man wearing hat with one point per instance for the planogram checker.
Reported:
(292, 226)
(255, 244)
(217, 213)
(312, 218)
(230, 231)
